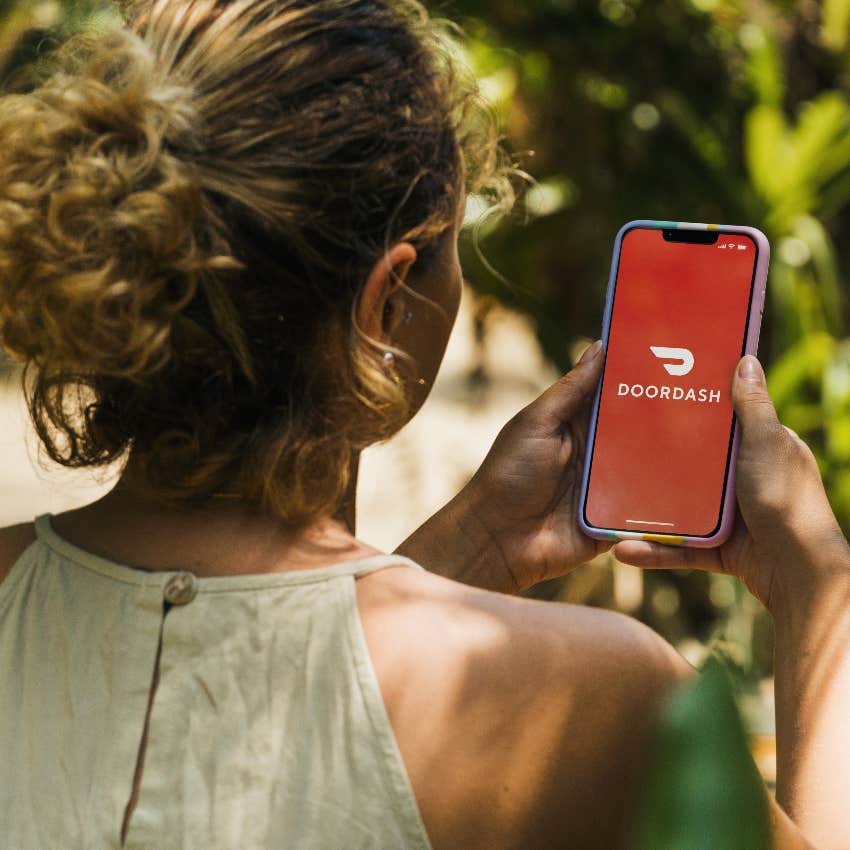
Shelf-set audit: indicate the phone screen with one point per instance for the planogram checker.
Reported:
(665, 423)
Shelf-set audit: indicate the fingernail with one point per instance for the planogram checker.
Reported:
(750, 369)
(591, 352)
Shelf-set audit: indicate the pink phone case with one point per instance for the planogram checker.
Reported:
(750, 347)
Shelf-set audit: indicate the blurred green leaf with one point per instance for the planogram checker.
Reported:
(822, 252)
(836, 404)
(803, 363)
(605, 92)
(836, 381)
(819, 123)
(838, 439)
(29, 31)
(764, 64)
(702, 788)
(835, 23)
(803, 417)
(839, 497)
(768, 149)
(836, 158)
(836, 196)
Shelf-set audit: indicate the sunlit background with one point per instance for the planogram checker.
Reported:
(693, 110)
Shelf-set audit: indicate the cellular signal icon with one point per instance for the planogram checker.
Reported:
(723, 245)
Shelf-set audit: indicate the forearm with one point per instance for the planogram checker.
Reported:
(455, 544)
(812, 685)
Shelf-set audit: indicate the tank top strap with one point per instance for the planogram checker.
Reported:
(366, 566)
(258, 581)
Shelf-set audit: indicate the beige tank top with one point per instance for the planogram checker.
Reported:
(267, 729)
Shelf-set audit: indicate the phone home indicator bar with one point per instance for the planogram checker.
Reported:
(648, 522)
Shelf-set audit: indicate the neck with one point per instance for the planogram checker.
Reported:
(347, 512)
(128, 488)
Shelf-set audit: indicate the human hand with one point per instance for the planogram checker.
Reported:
(785, 537)
(524, 498)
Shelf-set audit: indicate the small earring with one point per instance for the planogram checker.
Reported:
(408, 318)
(389, 357)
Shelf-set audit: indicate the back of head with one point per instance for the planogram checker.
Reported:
(188, 207)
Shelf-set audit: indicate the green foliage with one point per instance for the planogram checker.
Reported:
(684, 110)
(836, 23)
(30, 29)
(702, 787)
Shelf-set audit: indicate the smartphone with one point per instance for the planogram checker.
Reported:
(684, 304)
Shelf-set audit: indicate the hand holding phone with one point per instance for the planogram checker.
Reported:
(684, 304)
(514, 524)
(784, 524)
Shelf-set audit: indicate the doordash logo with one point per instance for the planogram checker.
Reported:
(681, 354)
(683, 366)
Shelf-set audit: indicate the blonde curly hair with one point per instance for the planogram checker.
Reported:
(189, 205)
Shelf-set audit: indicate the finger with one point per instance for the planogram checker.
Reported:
(768, 476)
(590, 352)
(761, 429)
(658, 556)
(564, 399)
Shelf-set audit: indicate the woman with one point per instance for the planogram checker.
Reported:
(228, 251)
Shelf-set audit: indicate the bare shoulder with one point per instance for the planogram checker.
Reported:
(14, 540)
(522, 723)
(464, 620)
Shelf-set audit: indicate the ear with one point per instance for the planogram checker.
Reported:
(379, 309)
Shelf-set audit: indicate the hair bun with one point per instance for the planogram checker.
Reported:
(189, 207)
(99, 236)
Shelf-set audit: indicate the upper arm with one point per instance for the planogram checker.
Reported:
(611, 682)
(521, 723)
(14, 541)
(623, 687)
(527, 723)
(637, 669)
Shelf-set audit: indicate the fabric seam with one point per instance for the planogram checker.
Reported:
(404, 799)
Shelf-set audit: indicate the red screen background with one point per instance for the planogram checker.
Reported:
(663, 460)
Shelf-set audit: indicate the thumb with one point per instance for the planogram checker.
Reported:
(778, 482)
(569, 394)
(754, 406)
(765, 445)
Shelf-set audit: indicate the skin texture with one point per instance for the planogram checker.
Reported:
(523, 723)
